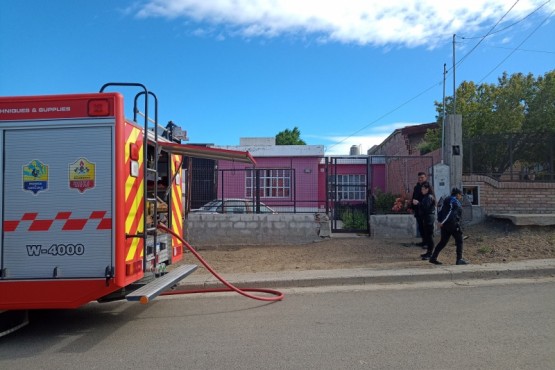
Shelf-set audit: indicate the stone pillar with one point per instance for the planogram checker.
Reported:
(453, 151)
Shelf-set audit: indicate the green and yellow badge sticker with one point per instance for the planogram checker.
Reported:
(82, 175)
(35, 176)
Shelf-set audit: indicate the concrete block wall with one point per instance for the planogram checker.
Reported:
(254, 229)
(522, 197)
(393, 226)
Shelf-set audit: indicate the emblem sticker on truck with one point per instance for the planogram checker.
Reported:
(82, 175)
(35, 176)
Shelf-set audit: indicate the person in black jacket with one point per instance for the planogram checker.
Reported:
(427, 211)
(449, 220)
(416, 198)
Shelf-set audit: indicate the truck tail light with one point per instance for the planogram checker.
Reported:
(99, 108)
(134, 155)
(134, 152)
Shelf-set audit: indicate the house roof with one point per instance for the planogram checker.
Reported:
(279, 150)
(407, 132)
(417, 129)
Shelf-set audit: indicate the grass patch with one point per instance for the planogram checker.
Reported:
(485, 249)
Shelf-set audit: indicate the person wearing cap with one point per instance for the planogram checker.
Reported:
(449, 221)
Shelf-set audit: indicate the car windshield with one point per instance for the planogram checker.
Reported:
(234, 206)
(211, 206)
(263, 208)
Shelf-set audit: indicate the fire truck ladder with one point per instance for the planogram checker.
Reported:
(151, 172)
(150, 234)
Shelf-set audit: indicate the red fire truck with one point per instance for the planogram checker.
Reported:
(83, 190)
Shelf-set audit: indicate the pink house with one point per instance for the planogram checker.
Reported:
(347, 179)
(287, 175)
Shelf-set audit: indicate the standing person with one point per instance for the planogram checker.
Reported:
(416, 198)
(449, 220)
(427, 211)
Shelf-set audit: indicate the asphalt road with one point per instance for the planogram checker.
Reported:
(498, 325)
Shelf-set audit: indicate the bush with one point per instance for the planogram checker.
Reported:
(383, 201)
(354, 220)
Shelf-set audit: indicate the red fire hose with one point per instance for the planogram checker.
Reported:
(277, 296)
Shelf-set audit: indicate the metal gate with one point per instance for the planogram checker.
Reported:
(347, 193)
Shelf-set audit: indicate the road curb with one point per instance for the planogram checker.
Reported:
(362, 276)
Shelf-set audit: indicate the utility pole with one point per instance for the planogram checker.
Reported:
(443, 115)
(454, 81)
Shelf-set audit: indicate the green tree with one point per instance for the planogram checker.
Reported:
(290, 137)
(518, 103)
(519, 109)
(541, 105)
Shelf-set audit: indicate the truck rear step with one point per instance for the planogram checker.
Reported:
(153, 289)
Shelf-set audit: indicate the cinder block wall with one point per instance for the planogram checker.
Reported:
(393, 226)
(251, 229)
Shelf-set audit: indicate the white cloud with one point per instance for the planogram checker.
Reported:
(375, 22)
(341, 145)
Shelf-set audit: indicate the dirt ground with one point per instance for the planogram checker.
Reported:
(488, 242)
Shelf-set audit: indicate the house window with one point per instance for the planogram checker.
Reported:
(348, 187)
(274, 183)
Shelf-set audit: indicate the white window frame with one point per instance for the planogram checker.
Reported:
(350, 187)
(274, 183)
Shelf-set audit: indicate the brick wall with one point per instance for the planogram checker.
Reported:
(513, 197)
(401, 175)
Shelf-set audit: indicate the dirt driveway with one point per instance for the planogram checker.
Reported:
(491, 241)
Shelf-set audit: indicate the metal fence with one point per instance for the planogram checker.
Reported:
(327, 184)
(392, 181)
(284, 189)
(511, 157)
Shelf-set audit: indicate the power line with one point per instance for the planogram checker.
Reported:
(486, 35)
(516, 48)
(387, 114)
(511, 25)
(526, 50)
(490, 32)
(423, 92)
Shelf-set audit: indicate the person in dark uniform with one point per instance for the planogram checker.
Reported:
(416, 198)
(427, 211)
(449, 220)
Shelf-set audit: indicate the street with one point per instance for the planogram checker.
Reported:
(489, 326)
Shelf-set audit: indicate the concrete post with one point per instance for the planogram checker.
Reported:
(453, 150)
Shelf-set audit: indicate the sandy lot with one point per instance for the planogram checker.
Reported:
(492, 241)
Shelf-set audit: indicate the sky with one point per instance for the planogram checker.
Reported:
(345, 72)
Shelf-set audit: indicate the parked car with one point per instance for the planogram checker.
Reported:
(232, 206)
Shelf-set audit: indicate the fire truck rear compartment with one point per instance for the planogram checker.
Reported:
(58, 200)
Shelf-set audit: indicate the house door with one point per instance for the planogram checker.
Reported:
(347, 193)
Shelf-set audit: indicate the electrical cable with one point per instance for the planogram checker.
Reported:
(509, 26)
(489, 33)
(277, 296)
(386, 114)
(484, 37)
(423, 92)
(516, 48)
